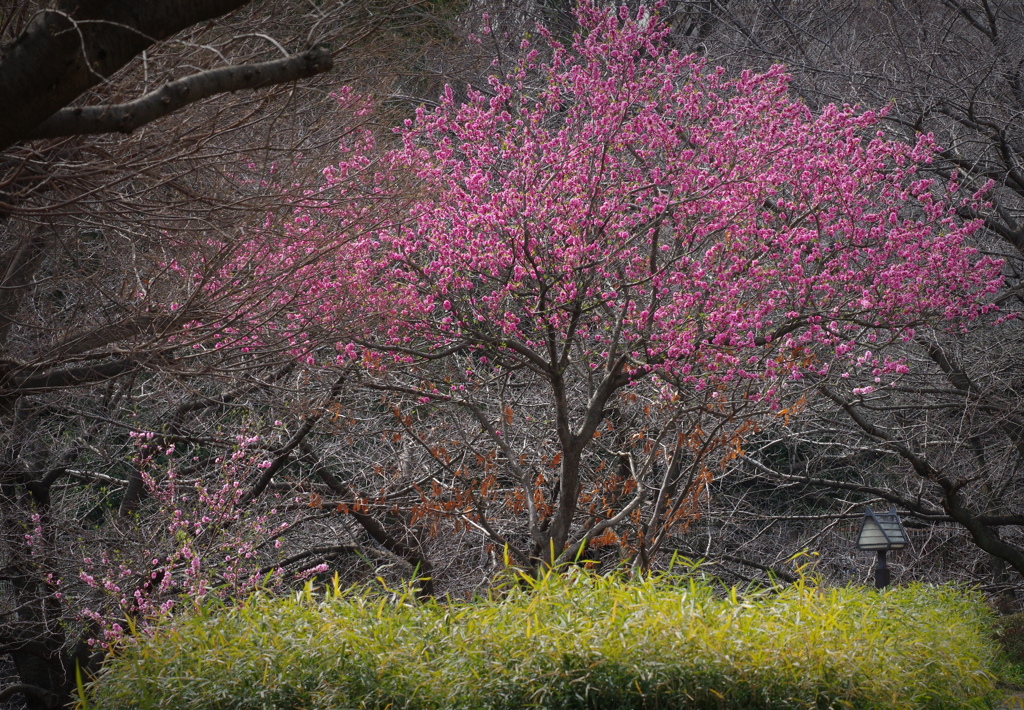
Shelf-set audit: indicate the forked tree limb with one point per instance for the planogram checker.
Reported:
(76, 44)
(126, 117)
(283, 455)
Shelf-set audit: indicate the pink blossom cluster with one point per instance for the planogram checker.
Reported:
(625, 201)
(214, 543)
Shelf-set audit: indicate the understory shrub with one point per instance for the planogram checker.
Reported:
(569, 641)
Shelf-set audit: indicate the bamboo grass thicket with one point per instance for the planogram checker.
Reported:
(569, 641)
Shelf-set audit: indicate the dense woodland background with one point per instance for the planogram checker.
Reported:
(340, 470)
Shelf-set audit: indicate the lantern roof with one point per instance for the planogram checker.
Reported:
(882, 531)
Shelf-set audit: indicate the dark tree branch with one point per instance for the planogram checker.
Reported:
(375, 530)
(778, 572)
(13, 386)
(283, 454)
(34, 648)
(952, 501)
(322, 552)
(50, 700)
(126, 117)
(77, 44)
(996, 521)
(152, 325)
(971, 19)
(920, 464)
(70, 377)
(914, 507)
(957, 376)
(224, 399)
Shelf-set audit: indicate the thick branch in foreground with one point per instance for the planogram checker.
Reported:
(13, 386)
(75, 45)
(47, 698)
(126, 117)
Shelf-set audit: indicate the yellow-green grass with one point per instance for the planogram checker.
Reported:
(570, 641)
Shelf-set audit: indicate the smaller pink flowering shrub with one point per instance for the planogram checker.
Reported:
(206, 545)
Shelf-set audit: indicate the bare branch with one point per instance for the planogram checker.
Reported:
(50, 699)
(126, 117)
(377, 531)
(62, 53)
(322, 552)
(282, 455)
